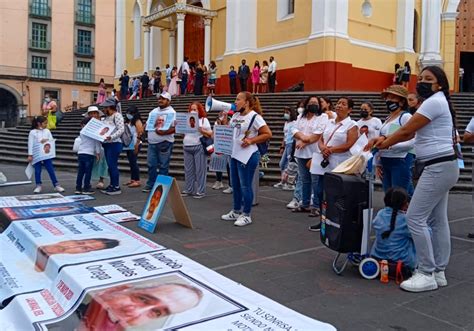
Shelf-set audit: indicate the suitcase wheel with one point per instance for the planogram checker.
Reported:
(369, 268)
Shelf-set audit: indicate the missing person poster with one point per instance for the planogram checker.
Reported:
(44, 151)
(29, 212)
(223, 139)
(44, 246)
(187, 123)
(151, 291)
(97, 130)
(218, 162)
(122, 217)
(107, 209)
(155, 203)
(33, 200)
(158, 121)
(80, 197)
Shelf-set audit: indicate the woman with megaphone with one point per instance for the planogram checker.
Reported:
(249, 129)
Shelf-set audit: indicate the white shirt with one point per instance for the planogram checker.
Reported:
(436, 138)
(288, 136)
(339, 137)
(86, 145)
(399, 150)
(241, 125)
(373, 125)
(470, 126)
(192, 139)
(185, 68)
(153, 137)
(315, 125)
(272, 67)
(168, 73)
(36, 135)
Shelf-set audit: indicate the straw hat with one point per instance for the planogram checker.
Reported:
(396, 90)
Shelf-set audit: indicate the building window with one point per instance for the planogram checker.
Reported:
(137, 36)
(291, 7)
(285, 9)
(84, 71)
(40, 8)
(84, 12)
(84, 42)
(39, 35)
(416, 48)
(38, 67)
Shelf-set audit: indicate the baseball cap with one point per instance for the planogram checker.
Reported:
(166, 95)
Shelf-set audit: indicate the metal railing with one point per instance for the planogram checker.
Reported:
(40, 10)
(84, 50)
(85, 18)
(41, 45)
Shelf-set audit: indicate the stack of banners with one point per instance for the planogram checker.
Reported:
(157, 121)
(150, 291)
(39, 248)
(108, 209)
(122, 217)
(187, 123)
(28, 212)
(44, 150)
(33, 200)
(97, 130)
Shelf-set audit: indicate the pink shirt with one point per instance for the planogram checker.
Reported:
(255, 75)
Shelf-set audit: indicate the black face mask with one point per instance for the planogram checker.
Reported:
(314, 109)
(392, 105)
(364, 113)
(241, 110)
(412, 110)
(424, 89)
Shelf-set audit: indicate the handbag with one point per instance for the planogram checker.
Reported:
(206, 142)
(51, 121)
(263, 146)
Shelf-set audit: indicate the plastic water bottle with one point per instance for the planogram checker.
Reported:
(384, 271)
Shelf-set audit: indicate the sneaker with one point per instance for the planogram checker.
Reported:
(228, 190)
(243, 220)
(440, 278)
(37, 190)
(77, 192)
(217, 185)
(419, 282)
(315, 228)
(100, 185)
(293, 204)
(288, 187)
(113, 190)
(230, 216)
(278, 185)
(107, 188)
(88, 192)
(146, 189)
(314, 212)
(185, 194)
(199, 196)
(59, 189)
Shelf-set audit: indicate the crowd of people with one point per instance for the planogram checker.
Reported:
(420, 131)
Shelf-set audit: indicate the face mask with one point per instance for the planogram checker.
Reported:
(286, 116)
(300, 110)
(221, 118)
(424, 89)
(241, 110)
(193, 112)
(313, 109)
(412, 110)
(47, 99)
(392, 105)
(364, 113)
(130, 116)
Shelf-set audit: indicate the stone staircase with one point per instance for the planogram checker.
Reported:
(13, 141)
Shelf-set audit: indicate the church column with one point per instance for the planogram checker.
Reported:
(172, 48)
(146, 48)
(431, 33)
(180, 51)
(207, 41)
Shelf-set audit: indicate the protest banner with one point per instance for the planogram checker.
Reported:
(223, 139)
(157, 121)
(187, 123)
(80, 197)
(218, 162)
(41, 247)
(33, 200)
(156, 202)
(53, 210)
(43, 151)
(97, 130)
(108, 209)
(122, 217)
(177, 293)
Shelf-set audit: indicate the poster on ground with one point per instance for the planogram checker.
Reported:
(223, 139)
(122, 217)
(33, 200)
(29, 212)
(158, 121)
(80, 197)
(155, 203)
(153, 291)
(187, 123)
(107, 209)
(97, 130)
(43, 151)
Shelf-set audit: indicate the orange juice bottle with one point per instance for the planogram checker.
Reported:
(384, 271)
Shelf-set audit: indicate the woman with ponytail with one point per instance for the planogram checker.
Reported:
(393, 240)
(434, 128)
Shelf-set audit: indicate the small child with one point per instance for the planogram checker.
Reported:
(40, 135)
(87, 150)
(393, 240)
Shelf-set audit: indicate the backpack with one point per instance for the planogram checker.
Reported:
(262, 147)
(126, 136)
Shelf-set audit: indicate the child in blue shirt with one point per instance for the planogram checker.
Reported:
(233, 80)
(393, 240)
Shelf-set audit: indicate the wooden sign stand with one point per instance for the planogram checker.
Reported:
(180, 212)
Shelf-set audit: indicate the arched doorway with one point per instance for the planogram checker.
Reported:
(194, 36)
(8, 108)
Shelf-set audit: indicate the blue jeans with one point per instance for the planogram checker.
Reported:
(305, 175)
(112, 152)
(133, 162)
(395, 173)
(48, 164)
(158, 158)
(84, 171)
(298, 193)
(184, 83)
(123, 92)
(410, 160)
(286, 156)
(317, 187)
(242, 177)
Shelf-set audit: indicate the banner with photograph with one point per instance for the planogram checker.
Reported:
(122, 217)
(80, 197)
(33, 200)
(43, 151)
(187, 123)
(97, 130)
(155, 203)
(29, 212)
(107, 209)
(152, 291)
(223, 139)
(158, 121)
(46, 245)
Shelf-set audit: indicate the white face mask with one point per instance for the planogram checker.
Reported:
(193, 112)
(300, 110)
(221, 118)
(47, 99)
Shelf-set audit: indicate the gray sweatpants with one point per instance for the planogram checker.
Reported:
(195, 169)
(429, 209)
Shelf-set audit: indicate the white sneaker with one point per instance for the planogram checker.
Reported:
(37, 190)
(228, 190)
(419, 282)
(288, 187)
(293, 204)
(440, 278)
(278, 185)
(243, 220)
(59, 189)
(217, 186)
(230, 216)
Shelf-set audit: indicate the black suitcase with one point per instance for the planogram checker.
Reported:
(345, 198)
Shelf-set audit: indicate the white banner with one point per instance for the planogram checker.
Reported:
(223, 139)
(33, 200)
(187, 123)
(122, 217)
(109, 209)
(43, 151)
(97, 130)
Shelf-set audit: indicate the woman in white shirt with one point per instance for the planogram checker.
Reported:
(427, 217)
(368, 124)
(306, 132)
(195, 158)
(250, 129)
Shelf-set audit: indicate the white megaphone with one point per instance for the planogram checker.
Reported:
(213, 104)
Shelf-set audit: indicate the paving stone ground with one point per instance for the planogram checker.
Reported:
(278, 257)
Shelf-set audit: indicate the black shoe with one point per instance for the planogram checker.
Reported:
(113, 190)
(470, 235)
(146, 189)
(88, 192)
(315, 228)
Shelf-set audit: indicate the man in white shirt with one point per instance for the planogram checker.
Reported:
(168, 75)
(160, 142)
(272, 75)
(184, 75)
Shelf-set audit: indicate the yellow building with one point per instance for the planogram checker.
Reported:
(53, 46)
(328, 44)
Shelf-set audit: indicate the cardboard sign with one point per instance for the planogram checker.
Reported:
(43, 151)
(163, 187)
(157, 121)
(187, 123)
(223, 139)
(97, 130)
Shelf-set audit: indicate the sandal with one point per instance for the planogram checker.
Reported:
(314, 212)
(134, 184)
(301, 210)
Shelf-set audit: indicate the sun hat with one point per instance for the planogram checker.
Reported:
(395, 90)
